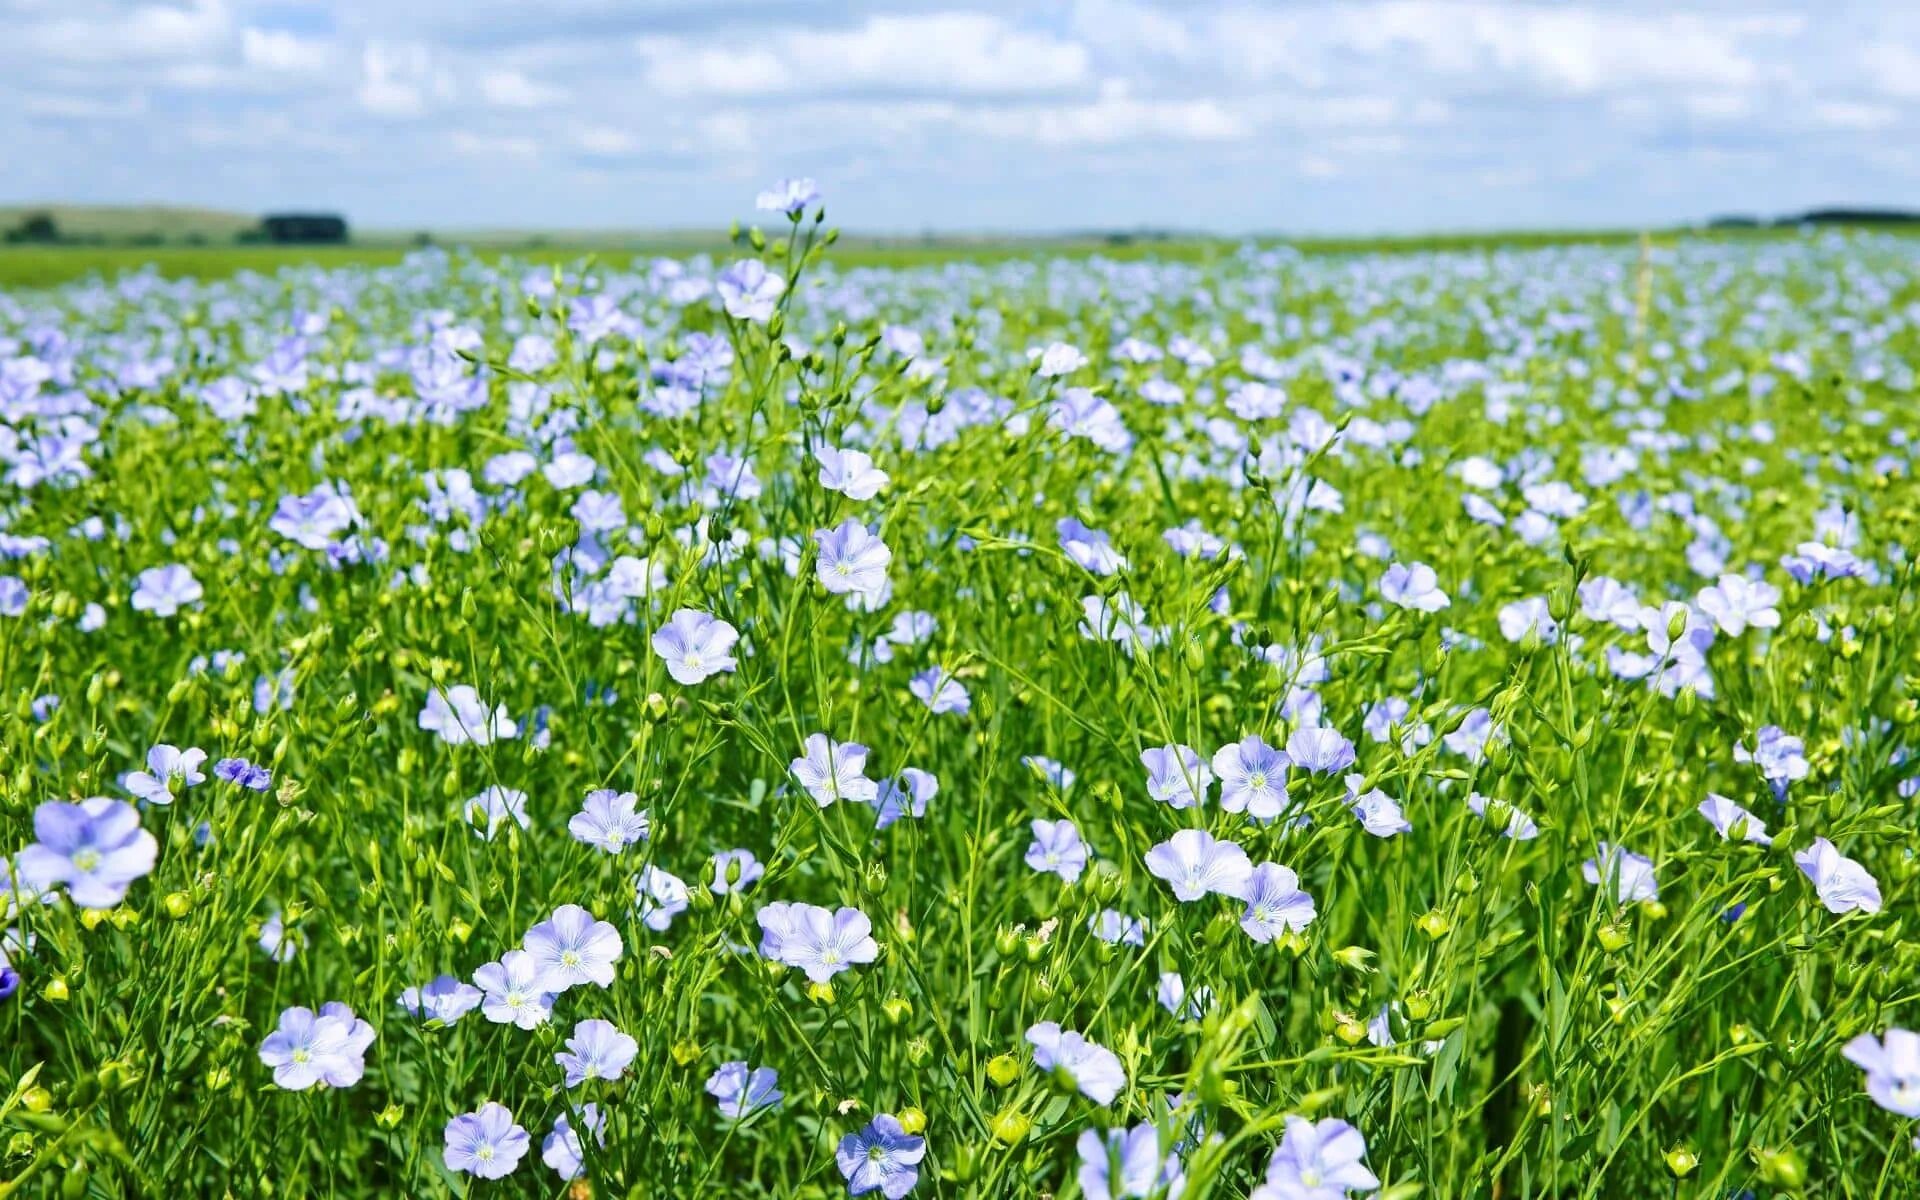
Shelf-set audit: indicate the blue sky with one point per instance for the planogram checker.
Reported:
(1367, 116)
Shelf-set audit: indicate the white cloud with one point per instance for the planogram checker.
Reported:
(1133, 31)
(401, 81)
(1115, 118)
(87, 108)
(1567, 49)
(955, 52)
(149, 33)
(509, 88)
(1893, 69)
(604, 141)
(726, 132)
(469, 144)
(282, 52)
(1847, 114)
(1719, 106)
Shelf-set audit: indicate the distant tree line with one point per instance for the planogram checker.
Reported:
(43, 229)
(299, 228)
(1820, 216)
(35, 228)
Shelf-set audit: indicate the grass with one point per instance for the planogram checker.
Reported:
(49, 266)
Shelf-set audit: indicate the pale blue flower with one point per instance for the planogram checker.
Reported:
(1275, 903)
(1057, 849)
(164, 591)
(940, 692)
(831, 771)
(1843, 885)
(1095, 1070)
(445, 1000)
(486, 1143)
(1194, 864)
(1317, 1161)
(1176, 775)
(312, 1048)
(883, 1157)
(512, 990)
(749, 291)
(1126, 1164)
(572, 948)
(597, 1050)
(1253, 778)
(740, 1091)
(608, 821)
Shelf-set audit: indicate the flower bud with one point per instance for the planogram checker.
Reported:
(1104, 881)
(118, 1075)
(912, 1120)
(1354, 958)
(1010, 1126)
(1782, 1168)
(897, 1009)
(1003, 1069)
(966, 1163)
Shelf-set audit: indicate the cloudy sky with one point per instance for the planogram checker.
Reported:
(1397, 115)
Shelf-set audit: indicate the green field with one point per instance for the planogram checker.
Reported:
(50, 266)
(1238, 724)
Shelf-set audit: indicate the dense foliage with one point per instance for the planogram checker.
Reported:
(1040, 728)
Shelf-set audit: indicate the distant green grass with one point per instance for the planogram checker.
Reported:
(23, 267)
(131, 222)
(49, 266)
